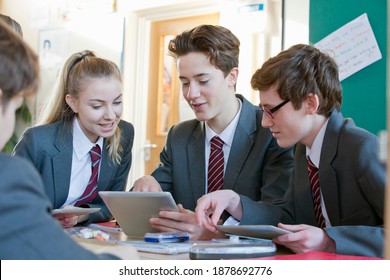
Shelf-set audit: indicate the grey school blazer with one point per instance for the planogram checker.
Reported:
(352, 182)
(50, 148)
(28, 231)
(257, 167)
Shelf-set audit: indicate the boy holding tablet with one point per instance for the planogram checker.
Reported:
(335, 201)
(251, 162)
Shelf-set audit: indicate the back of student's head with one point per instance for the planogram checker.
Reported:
(12, 23)
(19, 66)
(217, 42)
(298, 71)
(78, 71)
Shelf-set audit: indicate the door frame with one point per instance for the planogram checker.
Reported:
(136, 67)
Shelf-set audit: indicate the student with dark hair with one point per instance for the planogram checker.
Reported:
(335, 201)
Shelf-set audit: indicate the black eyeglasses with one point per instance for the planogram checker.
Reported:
(270, 112)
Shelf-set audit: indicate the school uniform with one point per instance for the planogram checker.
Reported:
(352, 182)
(256, 166)
(50, 149)
(28, 230)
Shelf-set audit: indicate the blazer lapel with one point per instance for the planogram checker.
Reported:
(196, 161)
(242, 143)
(302, 192)
(62, 164)
(327, 174)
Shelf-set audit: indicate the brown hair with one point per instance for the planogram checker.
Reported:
(217, 42)
(12, 23)
(298, 71)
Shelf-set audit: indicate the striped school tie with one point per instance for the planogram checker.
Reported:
(216, 165)
(316, 192)
(91, 190)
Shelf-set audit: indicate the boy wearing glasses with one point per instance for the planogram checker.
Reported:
(335, 201)
(252, 163)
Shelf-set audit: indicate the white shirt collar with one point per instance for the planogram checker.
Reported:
(81, 144)
(315, 151)
(227, 134)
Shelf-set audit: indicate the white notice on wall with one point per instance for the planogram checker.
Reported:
(353, 46)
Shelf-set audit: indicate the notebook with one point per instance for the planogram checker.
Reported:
(132, 210)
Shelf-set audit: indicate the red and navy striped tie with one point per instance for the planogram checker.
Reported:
(91, 190)
(316, 192)
(216, 165)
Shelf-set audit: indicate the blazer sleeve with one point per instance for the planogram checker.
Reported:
(260, 212)
(26, 221)
(371, 174)
(277, 170)
(367, 240)
(164, 171)
(358, 240)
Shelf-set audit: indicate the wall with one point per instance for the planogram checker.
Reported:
(387, 199)
(138, 14)
(70, 29)
(296, 24)
(364, 93)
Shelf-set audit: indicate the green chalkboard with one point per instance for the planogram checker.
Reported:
(364, 93)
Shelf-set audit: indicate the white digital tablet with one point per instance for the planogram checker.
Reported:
(132, 210)
(256, 231)
(78, 211)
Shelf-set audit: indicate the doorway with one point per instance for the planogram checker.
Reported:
(164, 85)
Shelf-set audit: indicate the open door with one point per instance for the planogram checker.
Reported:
(164, 85)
